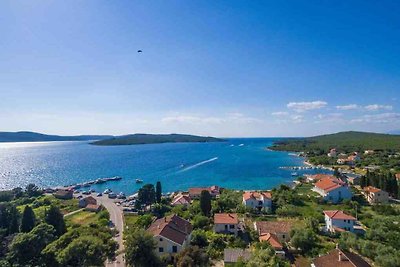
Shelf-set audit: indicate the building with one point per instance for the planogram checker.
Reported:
(258, 200)
(181, 200)
(319, 176)
(338, 221)
(172, 234)
(195, 192)
(234, 255)
(227, 223)
(332, 153)
(332, 189)
(281, 229)
(93, 207)
(63, 194)
(375, 195)
(83, 202)
(397, 177)
(340, 258)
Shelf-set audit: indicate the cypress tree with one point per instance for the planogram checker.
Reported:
(158, 192)
(54, 217)
(28, 220)
(205, 202)
(363, 181)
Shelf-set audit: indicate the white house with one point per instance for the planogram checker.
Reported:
(258, 200)
(332, 153)
(338, 221)
(332, 189)
(375, 195)
(172, 234)
(227, 223)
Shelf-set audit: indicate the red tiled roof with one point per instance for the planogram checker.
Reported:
(226, 218)
(338, 215)
(371, 189)
(256, 195)
(348, 259)
(329, 184)
(272, 239)
(90, 200)
(273, 227)
(197, 190)
(320, 176)
(171, 227)
(181, 200)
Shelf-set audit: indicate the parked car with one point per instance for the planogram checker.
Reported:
(99, 194)
(112, 195)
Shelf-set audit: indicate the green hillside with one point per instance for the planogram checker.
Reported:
(344, 142)
(137, 139)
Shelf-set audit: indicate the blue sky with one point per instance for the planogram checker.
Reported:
(223, 68)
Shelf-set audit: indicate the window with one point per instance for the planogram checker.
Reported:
(283, 236)
(174, 249)
(160, 249)
(232, 226)
(161, 239)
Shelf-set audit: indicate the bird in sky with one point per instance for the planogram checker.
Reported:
(139, 51)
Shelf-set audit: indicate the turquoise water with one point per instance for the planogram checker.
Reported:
(236, 164)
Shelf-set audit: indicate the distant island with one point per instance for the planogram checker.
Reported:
(26, 136)
(344, 141)
(137, 139)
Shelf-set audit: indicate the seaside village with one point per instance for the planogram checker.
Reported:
(336, 218)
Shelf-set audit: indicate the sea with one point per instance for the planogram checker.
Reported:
(239, 163)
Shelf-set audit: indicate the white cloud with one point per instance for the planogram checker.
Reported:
(297, 118)
(375, 107)
(196, 119)
(348, 107)
(379, 118)
(280, 113)
(330, 117)
(305, 106)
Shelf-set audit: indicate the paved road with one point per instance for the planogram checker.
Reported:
(116, 216)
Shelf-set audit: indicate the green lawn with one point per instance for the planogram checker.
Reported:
(82, 218)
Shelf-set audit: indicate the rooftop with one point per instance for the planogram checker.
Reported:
(256, 195)
(338, 215)
(234, 254)
(339, 258)
(171, 227)
(273, 227)
(226, 218)
(371, 189)
(329, 183)
(272, 239)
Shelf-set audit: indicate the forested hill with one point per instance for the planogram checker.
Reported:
(136, 139)
(343, 141)
(38, 137)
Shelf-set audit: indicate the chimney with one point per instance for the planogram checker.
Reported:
(340, 256)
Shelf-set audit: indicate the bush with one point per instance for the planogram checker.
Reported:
(200, 222)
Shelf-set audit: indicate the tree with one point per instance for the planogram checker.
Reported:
(199, 238)
(304, 239)
(205, 203)
(55, 218)
(83, 246)
(265, 257)
(192, 257)
(158, 192)
(32, 190)
(200, 221)
(139, 250)
(26, 248)
(146, 194)
(28, 220)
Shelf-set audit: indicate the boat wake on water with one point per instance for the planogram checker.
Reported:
(197, 165)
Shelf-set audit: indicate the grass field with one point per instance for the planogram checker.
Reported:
(82, 218)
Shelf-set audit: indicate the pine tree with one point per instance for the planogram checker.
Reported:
(28, 220)
(54, 217)
(363, 181)
(158, 192)
(205, 202)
